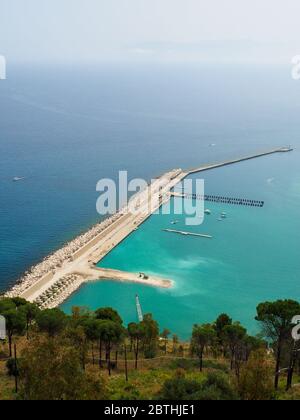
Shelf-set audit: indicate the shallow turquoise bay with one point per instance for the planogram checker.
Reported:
(253, 256)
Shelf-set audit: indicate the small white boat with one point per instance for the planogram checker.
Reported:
(175, 222)
(207, 211)
(223, 215)
(17, 179)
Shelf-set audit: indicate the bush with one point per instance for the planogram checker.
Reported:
(191, 365)
(184, 364)
(150, 353)
(216, 387)
(179, 388)
(129, 393)
(51, 369)
(256, 378)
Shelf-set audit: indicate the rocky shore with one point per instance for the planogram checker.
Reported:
(56, 260)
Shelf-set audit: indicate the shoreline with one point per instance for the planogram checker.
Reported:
(66, 269)
(53, 260)
(64, 289)
(58, 276)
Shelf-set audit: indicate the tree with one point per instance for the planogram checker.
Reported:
(52, 321)
(108, 314)
(78, 339)
(31, 312)
(252, 344)
(19, 302)
(255, 382)
(6, 304)
(111, 333)
(151, 333)
(80, 314)
(202, 337)
(50, 369)
(181, 350)
(234, 336)
(276, 318)
(293, 357)
(222, 321)
(165, 334)
(175, 340)
(12, 369)
(15, 324)
(136, 334)
(92, 331)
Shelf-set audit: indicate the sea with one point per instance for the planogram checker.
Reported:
(63, 128)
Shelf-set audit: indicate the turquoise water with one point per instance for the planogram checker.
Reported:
(64, 128)
(253, 256)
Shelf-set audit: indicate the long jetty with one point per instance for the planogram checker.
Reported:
(239, 160)
(57, 277)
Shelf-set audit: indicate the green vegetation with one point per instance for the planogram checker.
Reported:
(93, 355)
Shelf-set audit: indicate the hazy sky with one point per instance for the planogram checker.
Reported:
(89, 30)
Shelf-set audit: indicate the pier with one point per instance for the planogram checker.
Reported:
(221, 200)
(239, 160)
(139, 309)
(181, 232)
(62, 273)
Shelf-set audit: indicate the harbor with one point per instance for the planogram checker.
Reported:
(53, 280)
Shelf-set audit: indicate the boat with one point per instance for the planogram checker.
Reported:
(175, 222)
(223, 215)
(16, 179)
(207, 211)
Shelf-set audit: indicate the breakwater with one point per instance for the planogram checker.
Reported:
(59, 275)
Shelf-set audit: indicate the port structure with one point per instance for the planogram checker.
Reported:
(221, 199)
(139, 309)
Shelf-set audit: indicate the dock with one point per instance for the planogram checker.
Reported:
(139, 309)
(181, 232)
(220, 200)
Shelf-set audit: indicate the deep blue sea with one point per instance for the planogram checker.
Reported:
(63, 129)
